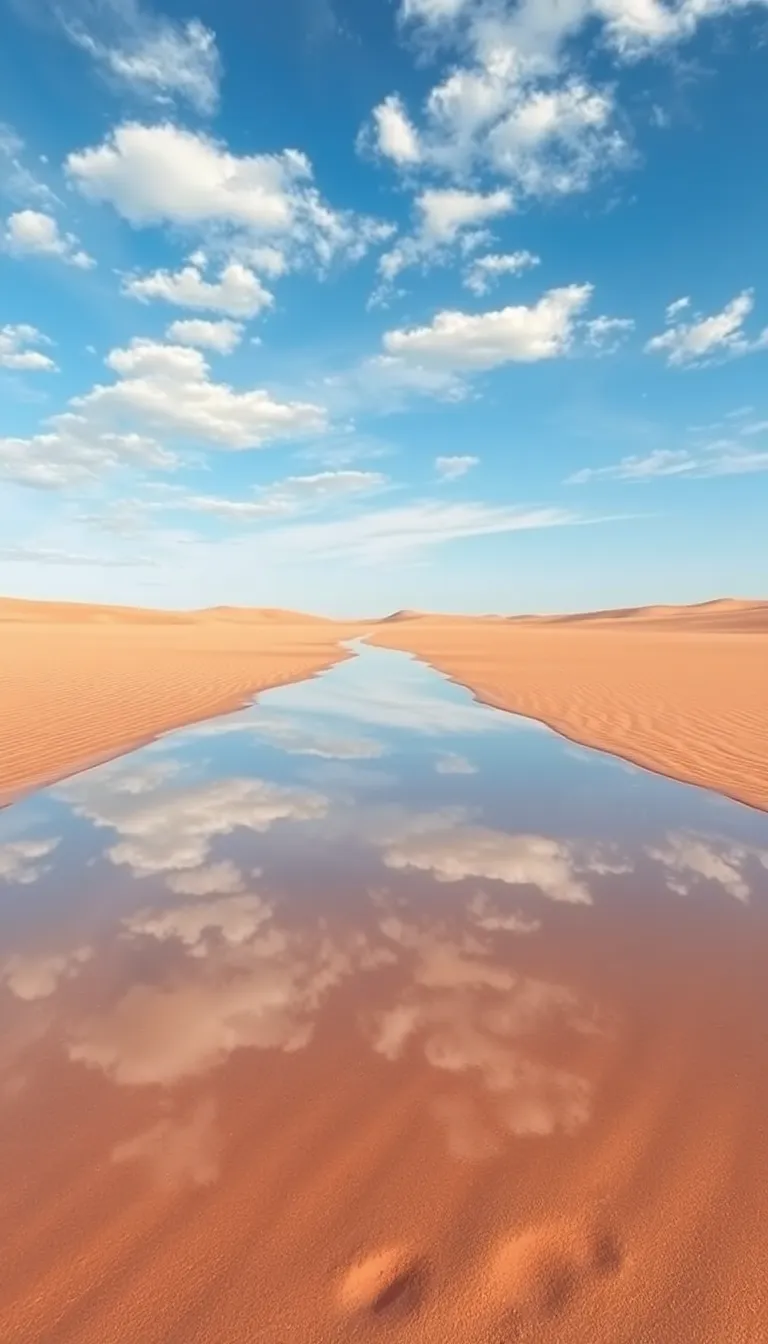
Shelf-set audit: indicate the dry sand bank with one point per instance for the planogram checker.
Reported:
(679, 690)
(80, 683)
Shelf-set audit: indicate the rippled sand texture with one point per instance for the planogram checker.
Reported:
(679, 690)
(80, 684)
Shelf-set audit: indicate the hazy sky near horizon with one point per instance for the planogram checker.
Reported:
(459, 304)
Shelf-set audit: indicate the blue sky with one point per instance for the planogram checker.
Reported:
(454, 304)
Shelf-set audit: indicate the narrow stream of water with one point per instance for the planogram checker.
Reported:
(371, 966)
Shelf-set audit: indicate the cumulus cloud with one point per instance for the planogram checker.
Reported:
(173, 828)
(165, 174)
(168, 388)
(689, 858)
(478, 851)
(394, 135)
(482, 272)
(478, 341)
(148, 54)
(17, 349)
(74, 451)
(36, 976)
(34, 233)
(452, 468)
(238, 292)
(258, 986)
(20, 860)
(704, 339)
(223, 336)
(444, 217)
(470, 1017)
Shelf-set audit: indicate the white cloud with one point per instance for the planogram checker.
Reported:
(150, 54)
(444, 217)
(238, 292)
(164, 174)
(483, 271)
(33, 233)
(719, 459)
(477, 341)
(395, 136)
(17, 181)
(73, 451)
(294, 494)
(219, 879)
(17, 350)
(486, 916)
(703, 339)
(605, 334)
(674, 309)
(447, 211)
(452, 764)
(689, 857)
(223, 337)
(168, 389)
(432, 11)
(390, 534)
(20, 860)
(36, 976)
(478, 851)
(234, 919)
(452, 468)
(49, 555)
(174, 828)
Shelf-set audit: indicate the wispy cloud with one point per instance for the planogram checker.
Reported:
(723, 458)
(704, 339)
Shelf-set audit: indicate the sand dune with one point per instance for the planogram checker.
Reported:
(679, 690)
(80, 684)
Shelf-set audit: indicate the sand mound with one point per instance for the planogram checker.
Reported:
(381, 1282)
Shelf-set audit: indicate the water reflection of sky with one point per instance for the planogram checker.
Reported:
(449, 888)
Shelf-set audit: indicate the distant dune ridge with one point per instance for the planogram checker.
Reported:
(679, 690)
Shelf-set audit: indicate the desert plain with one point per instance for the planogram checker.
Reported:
(679, 690)
(179, 1189)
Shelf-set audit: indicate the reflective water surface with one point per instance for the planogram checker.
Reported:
(370, 1009)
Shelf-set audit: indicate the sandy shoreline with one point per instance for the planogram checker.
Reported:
(679, 691)
(79, 686)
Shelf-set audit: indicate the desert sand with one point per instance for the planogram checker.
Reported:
(679, 690)
(80, 684)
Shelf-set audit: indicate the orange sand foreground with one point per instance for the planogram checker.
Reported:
(679, 690)
(309, 1202)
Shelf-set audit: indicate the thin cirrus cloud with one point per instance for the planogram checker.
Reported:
(35, 233)
(144, 53)
(723, 458)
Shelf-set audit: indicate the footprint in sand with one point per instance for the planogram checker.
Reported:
(386, 1282)
(540, 1270)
